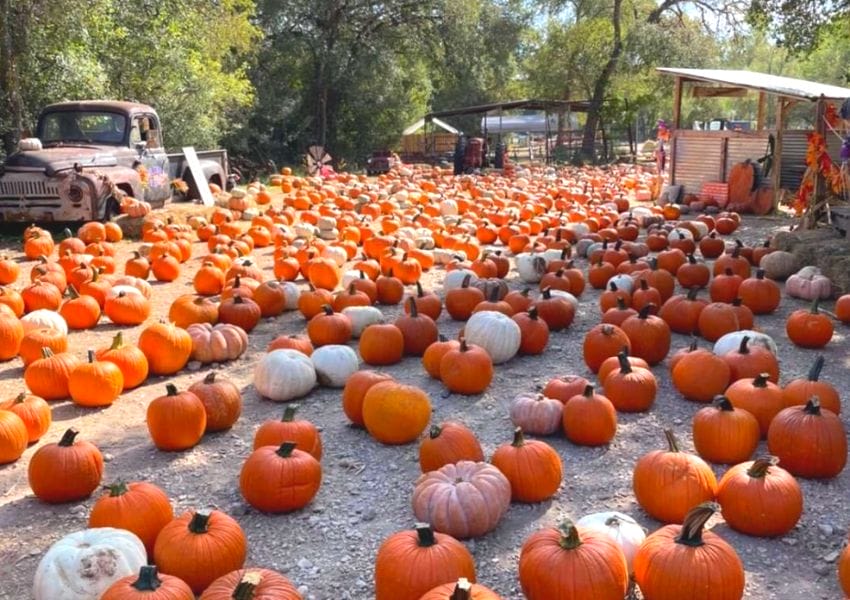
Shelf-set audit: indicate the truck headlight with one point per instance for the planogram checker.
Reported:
(75, 193)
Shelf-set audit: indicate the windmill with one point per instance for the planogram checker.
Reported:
(315, 159)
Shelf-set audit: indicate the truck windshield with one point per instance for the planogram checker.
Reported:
(91, 127)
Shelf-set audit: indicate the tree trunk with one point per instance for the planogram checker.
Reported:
(594, 110)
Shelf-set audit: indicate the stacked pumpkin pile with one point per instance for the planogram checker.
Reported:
(344, 253)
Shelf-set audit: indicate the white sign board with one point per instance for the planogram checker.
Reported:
(198, 175)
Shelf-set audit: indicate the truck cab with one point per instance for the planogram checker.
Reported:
(85, 157)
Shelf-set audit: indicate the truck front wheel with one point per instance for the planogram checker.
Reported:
(111, 209)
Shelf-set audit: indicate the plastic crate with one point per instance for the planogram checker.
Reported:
(716, 191)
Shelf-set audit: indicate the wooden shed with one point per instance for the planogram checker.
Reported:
(697, 157)
(415, 143)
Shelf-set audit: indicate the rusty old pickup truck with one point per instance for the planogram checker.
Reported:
(87, 155)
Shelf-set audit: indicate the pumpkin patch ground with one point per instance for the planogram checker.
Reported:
(328, 548)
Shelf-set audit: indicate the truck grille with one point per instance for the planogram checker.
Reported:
(29, 189)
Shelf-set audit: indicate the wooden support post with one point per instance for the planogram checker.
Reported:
(677, 123)
(819, 199)
(777, 151)
(762, 111)
(724, 157)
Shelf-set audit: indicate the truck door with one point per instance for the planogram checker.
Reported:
(146, 134)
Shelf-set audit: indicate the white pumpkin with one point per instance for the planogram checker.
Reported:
(582, 247)
(681, 233)
(732, 341)
(217, 343)
(44, 318)
(325, 223)
(537, 414)
(140, 284)
(361, 317)
(566, 296)
(304, 230)
(454, 279)
(334, 364)
(444, 257)
(579, 229)
(291, 293)
(336, 254)
(83, 564)
(530, 266)
(624, 530)
(497, 333)
(284, 374)
(622, 281)
(448, 207)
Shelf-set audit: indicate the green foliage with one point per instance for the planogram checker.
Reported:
(800, 25)
(187, 58)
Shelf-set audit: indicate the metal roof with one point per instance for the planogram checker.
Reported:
(421, 123)
(106, 105)
(763, 82)
(548, 105)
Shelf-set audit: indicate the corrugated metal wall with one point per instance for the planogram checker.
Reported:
(697, 161)
(794, 144)
(740, 149)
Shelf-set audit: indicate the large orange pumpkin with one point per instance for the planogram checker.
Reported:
(139, 507)
(166, 346)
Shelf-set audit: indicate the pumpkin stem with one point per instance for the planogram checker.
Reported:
(118, 488)
(693, 345)
(435, 432)
(532, 313)
(815, 305)
(570, 539)
(351, 289)
(613, 287)
(812, 406)
(494, 294)
(463, 345)
(148, 580)
(171, 389)
(411, 302)
(759, 273)
(728, 272)
(588, 391)
(117, 341)
(19, 399)
(692, 259)
(672, 443)
(200, 522)
(462, 591)
(247, 586)
(519, 439)
(761, 466)
(737, 302)
(695, 521)
(547, 292)
(744, 347)
(68, 438)
(425, 535)
(692, 293)
(466, 279)
(644, 285)
(525, 292)
(286, 448)
(90, 356)
(46, 352)
(721, 402)
(419, 291)
(646, 310)
(760, 380)
(817, 367)
(72, 292)
(623, 358)
(289, 413)
(326, 308)
(621, 303)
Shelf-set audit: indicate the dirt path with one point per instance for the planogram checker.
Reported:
(328, 549)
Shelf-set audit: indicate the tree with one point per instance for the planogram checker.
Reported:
(187, 58)
(799, 25)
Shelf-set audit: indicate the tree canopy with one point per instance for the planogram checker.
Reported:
(268, 78)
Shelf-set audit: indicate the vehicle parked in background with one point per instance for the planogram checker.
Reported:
(87, 155)
(380, 162)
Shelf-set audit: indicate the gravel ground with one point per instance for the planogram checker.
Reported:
(328, 549)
